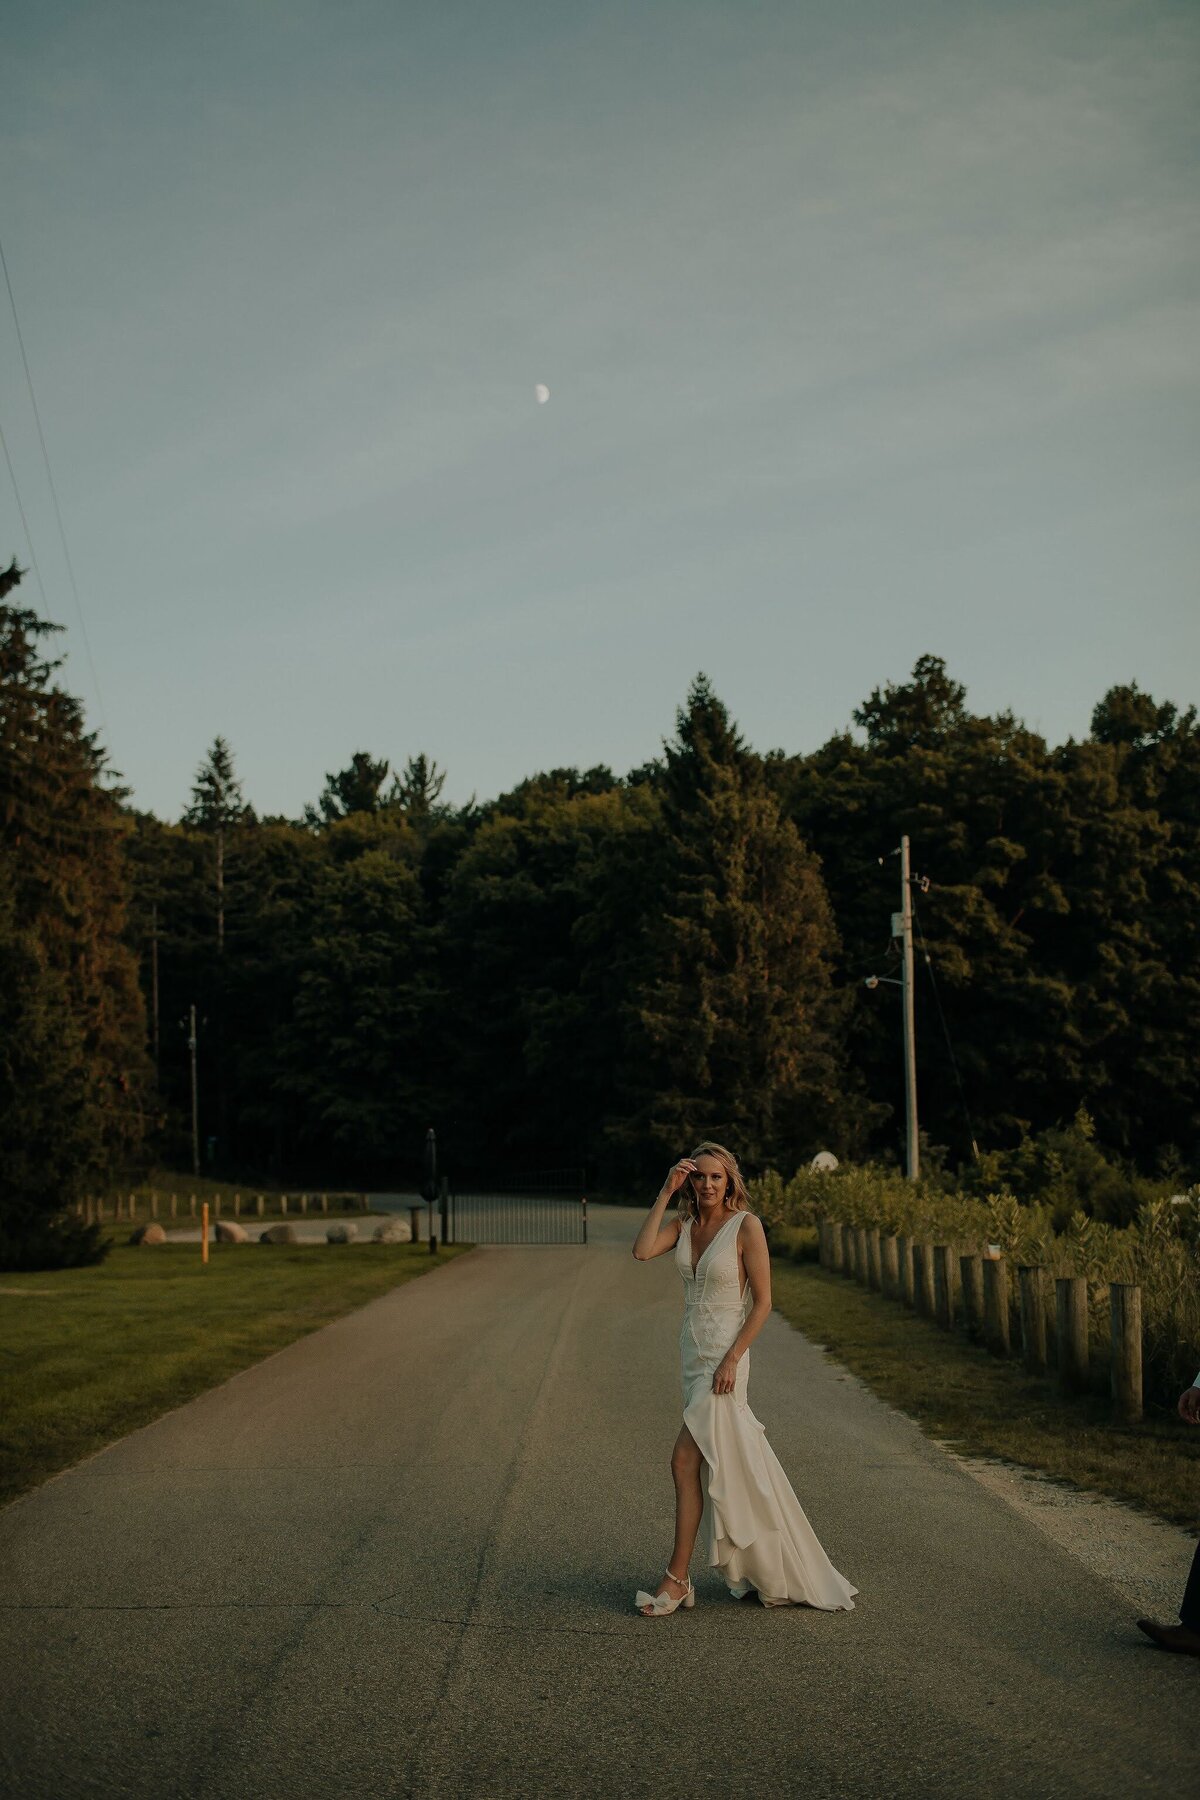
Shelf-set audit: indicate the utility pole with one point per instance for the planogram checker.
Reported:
(902, 928)
(910, 1025)
(195, 1092)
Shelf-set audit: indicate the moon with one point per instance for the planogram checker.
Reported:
(541, 393)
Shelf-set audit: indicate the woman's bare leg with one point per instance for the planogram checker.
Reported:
(689, 1505)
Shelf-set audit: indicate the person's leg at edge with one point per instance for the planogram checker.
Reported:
(1184, 1637)
(689, 1506)
(1189, 1608)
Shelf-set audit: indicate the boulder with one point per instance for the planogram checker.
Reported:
(228, 1231)
(279, 1234)
(151, 1233)
(394, 1231)
(343, 1232)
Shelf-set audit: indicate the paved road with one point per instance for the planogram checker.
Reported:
(398, 1558)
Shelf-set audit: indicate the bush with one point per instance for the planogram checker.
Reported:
(1159, 1249)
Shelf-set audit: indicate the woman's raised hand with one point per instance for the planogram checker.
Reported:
(677, 1175)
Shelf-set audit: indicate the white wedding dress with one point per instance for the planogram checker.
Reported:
(753, 1526)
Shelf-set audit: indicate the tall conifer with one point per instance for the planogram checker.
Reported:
(74, 1077)
(737, 1012)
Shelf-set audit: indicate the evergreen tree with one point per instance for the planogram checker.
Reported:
(75, 1078)
(737, 1016)
(418, 789)
(217, 804)
(356, 789)
(353, 1054)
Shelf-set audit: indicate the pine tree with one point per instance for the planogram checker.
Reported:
(417, 790)
(353, 790)
(217, 804)
(737, 1016)
(76, 1078)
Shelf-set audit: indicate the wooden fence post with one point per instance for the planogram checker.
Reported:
(904, 1253)
(324, 1203)
(154, 1203)
(192, 1205)
(260, 1206)
(970, 1268)
(1033, 1316)
(995, 1305)
(283, 1205)
(835, 1246)
(847, 1236)
(237, 1206)
(1125, 1307)
(874, 1274)
(304, 1204)
(923, 1277)
(889, 1272)
(217, 1207)
(1071, 1321)
(944, 1271)
(860, 1254)
(174, 1199)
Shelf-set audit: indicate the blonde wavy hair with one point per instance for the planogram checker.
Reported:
(736, 1197)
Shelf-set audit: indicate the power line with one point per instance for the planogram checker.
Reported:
(12, 300)
(12, 475)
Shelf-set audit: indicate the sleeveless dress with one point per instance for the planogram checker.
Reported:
(753, 1527)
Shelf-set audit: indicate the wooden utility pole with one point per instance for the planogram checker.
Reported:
(910, 1027)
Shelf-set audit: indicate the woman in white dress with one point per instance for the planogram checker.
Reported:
(729, 1485)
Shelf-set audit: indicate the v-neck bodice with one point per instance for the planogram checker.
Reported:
(714, 1240)
(714, 1302)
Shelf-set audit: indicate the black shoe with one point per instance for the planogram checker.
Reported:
(1179, 1638)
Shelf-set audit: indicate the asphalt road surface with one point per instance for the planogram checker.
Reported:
(399, 1558)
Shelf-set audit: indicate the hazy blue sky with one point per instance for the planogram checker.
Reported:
(871, 330)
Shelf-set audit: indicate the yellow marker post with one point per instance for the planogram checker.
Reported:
(204, 1232)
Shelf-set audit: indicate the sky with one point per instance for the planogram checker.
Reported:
(871, 329)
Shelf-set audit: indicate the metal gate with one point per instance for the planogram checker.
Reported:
(546, 1207)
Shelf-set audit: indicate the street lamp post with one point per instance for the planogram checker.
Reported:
(429, 1182)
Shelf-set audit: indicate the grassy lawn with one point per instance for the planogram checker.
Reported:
(87, 1355)
(960, 1394)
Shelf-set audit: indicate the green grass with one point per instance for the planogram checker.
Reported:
(958, 1393)
(87, 1355)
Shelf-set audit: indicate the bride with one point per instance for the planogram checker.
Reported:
(728, 1480)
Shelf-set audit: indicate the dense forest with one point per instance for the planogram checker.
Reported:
(600, 968)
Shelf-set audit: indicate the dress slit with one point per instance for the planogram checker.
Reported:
(753, 1528)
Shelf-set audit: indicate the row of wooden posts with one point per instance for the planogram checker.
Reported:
(972, 1289)
(121, 1206)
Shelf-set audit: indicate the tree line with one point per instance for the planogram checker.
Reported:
(596, 968)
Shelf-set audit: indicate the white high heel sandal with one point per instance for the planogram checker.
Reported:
(663, 1603)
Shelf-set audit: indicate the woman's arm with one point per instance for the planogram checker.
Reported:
(655, 1238)
(757, 1259)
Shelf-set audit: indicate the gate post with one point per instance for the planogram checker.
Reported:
(445, 1208)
